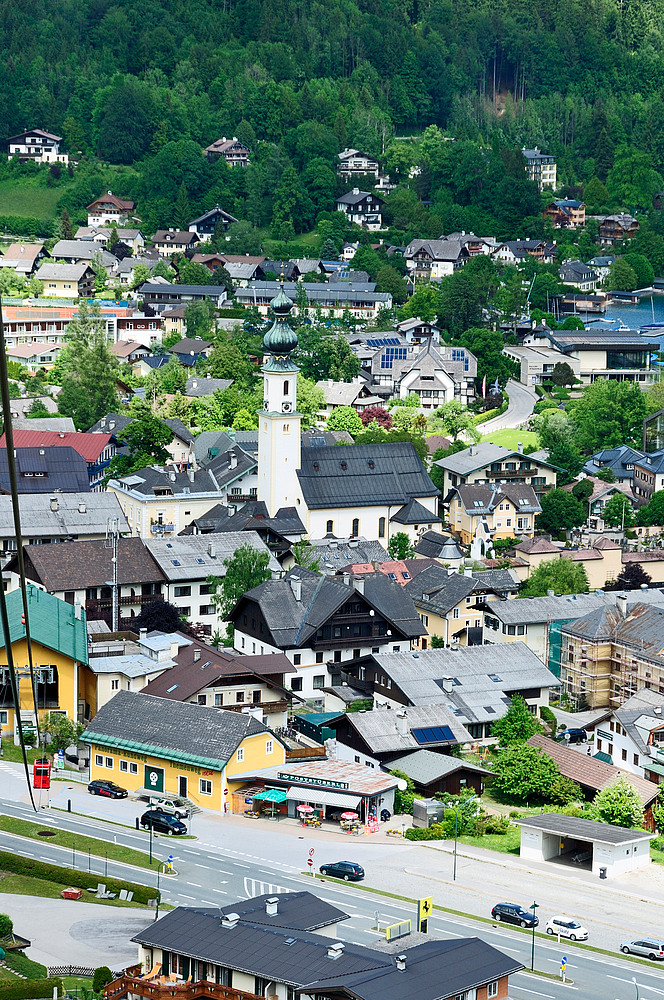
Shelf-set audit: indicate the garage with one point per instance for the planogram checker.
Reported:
(584, 844)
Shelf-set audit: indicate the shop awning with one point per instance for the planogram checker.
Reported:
(271, 795)
(321, 798)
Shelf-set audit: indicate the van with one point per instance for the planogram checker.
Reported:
(572, 736)
(648, 947)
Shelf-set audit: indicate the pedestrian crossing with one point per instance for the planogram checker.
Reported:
(254, 887)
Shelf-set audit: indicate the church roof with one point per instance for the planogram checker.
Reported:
(363, 475)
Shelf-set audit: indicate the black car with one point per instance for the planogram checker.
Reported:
(572, 736)
(512, 913)
(162, 823)
(108, 788)
(349, 871)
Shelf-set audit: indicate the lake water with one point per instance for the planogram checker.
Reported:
(650, 309)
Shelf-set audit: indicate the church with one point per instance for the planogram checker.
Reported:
(373, 490)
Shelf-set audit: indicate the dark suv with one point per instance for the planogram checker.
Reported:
(572, 736)
(512, 913)
(108, 788)
(349, 871)
(163, 823)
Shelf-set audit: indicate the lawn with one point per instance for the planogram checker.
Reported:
(13, 753)
(510, 438)
(28, 885)
(79, 844)
(28, 197)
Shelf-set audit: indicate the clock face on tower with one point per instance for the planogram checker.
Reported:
(265, 404)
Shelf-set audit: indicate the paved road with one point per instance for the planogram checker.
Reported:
(521, 402)
(234, 859)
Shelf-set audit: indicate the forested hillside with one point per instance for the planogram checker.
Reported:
(149, 84)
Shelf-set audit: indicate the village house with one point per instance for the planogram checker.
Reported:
(417, 331)
(45, 470)
(109, 209)
(171, 241)
(353, 163)
(67, 281)
(77, 251)
(96, 449)
(495, 511)
(360, 299)
(133, 238)
(631, 736)
(24, 258)
(619, 461)
(537, 362)
(487, 463)
(437, 373)
(36, 146)
(648, 475)
(234, 152)
(579, 275)
(361, 208)
(160, 294)
(516, 251)
(205, 225)
(34, 356)
(613, 228)
(180, 448)
(566, 213)
(430, 260)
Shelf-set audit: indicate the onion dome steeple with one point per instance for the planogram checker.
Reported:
(280, 340)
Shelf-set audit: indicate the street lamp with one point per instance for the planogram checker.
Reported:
(534, 907)
(636, 987)
(461, 805)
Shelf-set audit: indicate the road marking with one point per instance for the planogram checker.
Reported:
(196, 865)
(184, 896)
(549, 996)
(222, 891)
(198, 886)
(557, 962)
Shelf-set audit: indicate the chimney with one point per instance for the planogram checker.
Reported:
(77, 608)
(296, 587)
(644, 586)
(211, 551)
(142, 633)
(468, 572)
(356, 190)
(232, 460)
(550, 593)
(191, 474)
(448, 684)
(358, 584)
(472, 450)
(271, 906)
(335, 950)
(520, 447)
(111, 425)
(55, 506)
(402, 722)
(61, 434)
(82, 508)
(197, 654)
(401, 963)
(621, 604)
(230, 920)
(172, 475)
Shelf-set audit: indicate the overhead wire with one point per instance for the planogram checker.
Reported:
(4, 617)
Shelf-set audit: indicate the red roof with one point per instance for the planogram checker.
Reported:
(89, 446)
(106, 199)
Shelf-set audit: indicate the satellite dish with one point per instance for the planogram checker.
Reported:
(402, 784)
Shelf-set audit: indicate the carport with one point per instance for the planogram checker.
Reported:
(584, 844)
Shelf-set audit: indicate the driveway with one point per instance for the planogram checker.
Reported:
(521, 402)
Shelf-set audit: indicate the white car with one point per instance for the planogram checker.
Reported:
(567, 927)
(170, 804)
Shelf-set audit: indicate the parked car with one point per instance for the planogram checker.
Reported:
(572, 736)
(170, 804)
(512, 913)
(567, 927)
(162, 823)
(108, 788)
(349, 871)
(648, 947)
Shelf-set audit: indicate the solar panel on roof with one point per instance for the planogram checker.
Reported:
(392, 354)
(383, 341)
(433, 734)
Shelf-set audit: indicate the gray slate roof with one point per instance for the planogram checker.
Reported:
(336, 553)
(192, 555)
(378, 728)
(38, 520)
(61, 468)
(122, 421)
(534, 610)
(639, 715)
(615, 459)
(152, 478)
(62, 272)
(83, 250)
(172, 728)
(199, 386)
(583, 829)
(425, 766)
(363, 475)
(480, 499)
(414, 512)
(479, 455)
(434, 545)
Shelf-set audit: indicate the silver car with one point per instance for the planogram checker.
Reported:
(648, 947)
(171, 805)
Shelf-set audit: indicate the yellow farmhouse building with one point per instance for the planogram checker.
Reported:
(157, 745)
(63, 681)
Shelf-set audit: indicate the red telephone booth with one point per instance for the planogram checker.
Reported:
(41, 773)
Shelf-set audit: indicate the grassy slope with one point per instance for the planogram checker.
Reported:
(100, 848)
(510, 437)
(26, 196)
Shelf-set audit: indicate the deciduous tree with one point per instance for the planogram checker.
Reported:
(563, 576)
(517, 725)
(620, 804)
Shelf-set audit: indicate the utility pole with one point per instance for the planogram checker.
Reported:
(111, 542)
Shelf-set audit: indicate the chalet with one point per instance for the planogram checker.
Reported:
(430, 260)
(619, 461)
(362, 208)
(67, 281)
(213, 261)
(613, 228)
(204, 226)
(496, 511)
(108, 208)
(172, 241)
(354, 163)
(515, 251)
(24, 258)
(129, 351)
(35, 357)
(540, 167)
(234, 152)
(360, 299)
(77, 251)
(579, 275)
(417, 331)
(437, 373)
(566, 213)
(36, 146)
(180, 447)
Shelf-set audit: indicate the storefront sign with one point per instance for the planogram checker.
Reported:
(320, 782)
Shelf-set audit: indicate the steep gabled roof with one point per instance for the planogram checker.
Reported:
(53, 623)
(87, 563)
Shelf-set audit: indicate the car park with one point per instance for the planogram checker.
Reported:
(163, 823)
(107, 788)
(650, 948)
(349, 871)
(567, 927)
(170, 804)
(513, 913)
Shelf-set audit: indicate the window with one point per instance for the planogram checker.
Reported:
(115, 685)
(356, 527)
(425, 620)
(624, 754)
(599, 744)
(286, 387)
(218, 700)
(511, 629)
(492, 989)
(239, 756)
(635, 760)
(239, 697)
(133, 767)
(455, 613)
(297, 659)
(337, 656)
(508, 522)
(202, 699)
(319, 657)
(182, 592)
(609, 748)
(357, 759)
(296, 684)
(99, 760)
(319, 681)
(109, 762)
(206, 609)
(124, 765)
(329, 527)
(186, 611)
(478, 623)
(205, 785)
(521, 630)
(205, 588)
(381, 527)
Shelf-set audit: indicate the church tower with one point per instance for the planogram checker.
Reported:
(279, 441)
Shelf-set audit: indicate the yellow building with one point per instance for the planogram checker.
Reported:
(154, 744)
(159, 501)
(493, 512)
(64, 683)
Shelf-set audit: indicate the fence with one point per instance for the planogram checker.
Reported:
(402, 929)
(74, 970)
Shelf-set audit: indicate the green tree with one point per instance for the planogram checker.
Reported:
(89, 370)
(37, 409)
(523, 773)
(66, 228)
(618, 512)
(400, 546)
(596, 196)
(632, 181)
(621, 277)
(344, 418)
(329, 250)
(199, 319)
(142, 273)
(101, 978)
(620, 804)
(61, 732)
(487, 346)
(182, 211)
(609, 413)
(583, 490)
(310, 401)
(243, 238)
(172, 377)
(566, 457)
(425, 303)
(146, 437)
(563, 576)
(643, 269)
(389, 280)
(306, 555)
(562, 374)
(517, 725)
(226, 360)
(653, 512)
(324, 356)
(631, 577)
(456, 419)
(6, 927)
(245, 569)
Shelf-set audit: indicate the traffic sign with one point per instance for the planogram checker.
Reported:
(424, 911)
(310, 862)
(311, 852)
(225, 791)
(563, 962)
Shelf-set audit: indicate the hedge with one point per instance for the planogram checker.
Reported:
(237, 312)
(29, 988)
(69, 876)
(23, 225)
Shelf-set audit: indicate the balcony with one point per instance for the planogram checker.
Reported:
(241, 497)
(157, 528)
(130, 984)
(268, 707)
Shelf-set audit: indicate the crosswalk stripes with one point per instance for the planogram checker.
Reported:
(254, 887)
